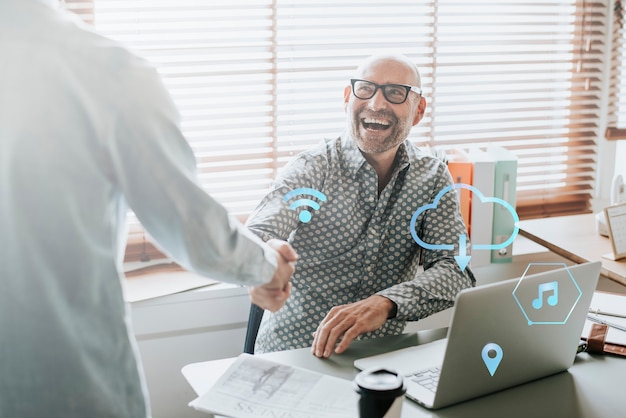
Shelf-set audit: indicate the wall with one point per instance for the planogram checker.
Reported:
(184, 328)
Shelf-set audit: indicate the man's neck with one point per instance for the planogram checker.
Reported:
(383, 164)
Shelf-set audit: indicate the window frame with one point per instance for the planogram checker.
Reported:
(617, 90)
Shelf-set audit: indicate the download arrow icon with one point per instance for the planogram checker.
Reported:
(462, 259)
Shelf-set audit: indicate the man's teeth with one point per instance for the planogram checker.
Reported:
(376, 121)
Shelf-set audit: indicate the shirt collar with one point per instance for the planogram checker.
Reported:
(403, 156)
(351, 157)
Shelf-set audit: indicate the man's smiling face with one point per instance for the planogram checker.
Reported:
(377, 125)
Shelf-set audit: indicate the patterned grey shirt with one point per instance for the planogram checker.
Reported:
(359, 243)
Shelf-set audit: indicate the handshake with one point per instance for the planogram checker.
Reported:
(272, 295)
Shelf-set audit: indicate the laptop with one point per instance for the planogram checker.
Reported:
(501, 335)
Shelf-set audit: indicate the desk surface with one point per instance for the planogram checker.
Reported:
(575, 238)
(592, 387)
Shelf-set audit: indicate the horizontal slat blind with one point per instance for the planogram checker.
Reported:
(216, 59)
(258, 81)
(83, 8)
(524, 75)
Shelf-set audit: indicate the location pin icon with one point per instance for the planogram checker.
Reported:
(492, 363)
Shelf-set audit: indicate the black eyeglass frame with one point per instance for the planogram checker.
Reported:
(383, 87)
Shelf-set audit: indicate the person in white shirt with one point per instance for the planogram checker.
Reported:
(87, 130)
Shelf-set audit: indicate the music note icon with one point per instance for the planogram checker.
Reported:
(547, 287)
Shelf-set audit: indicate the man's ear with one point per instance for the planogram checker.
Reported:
(346, 96)
(419, 112)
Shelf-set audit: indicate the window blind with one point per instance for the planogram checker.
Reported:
(83, 8)
(258, 81)
(526, 76)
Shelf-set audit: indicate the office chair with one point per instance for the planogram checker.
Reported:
(254, 321)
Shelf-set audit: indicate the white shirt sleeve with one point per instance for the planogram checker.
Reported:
(155, 167)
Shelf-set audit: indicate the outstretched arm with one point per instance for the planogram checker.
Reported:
(272, 295)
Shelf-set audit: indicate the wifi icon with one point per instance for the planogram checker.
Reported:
(305, 215)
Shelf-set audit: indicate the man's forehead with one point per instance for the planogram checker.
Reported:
(388, 70)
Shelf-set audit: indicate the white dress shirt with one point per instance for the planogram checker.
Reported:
(87, 130)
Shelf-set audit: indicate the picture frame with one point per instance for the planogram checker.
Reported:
(615, 216)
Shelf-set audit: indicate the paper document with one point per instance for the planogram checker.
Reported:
(615, 306)
(254, 387)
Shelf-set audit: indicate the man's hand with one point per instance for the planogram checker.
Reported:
(272, 295)
(346, 322)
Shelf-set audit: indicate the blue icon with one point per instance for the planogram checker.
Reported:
(553, 299)
(566, 298)
(463, 259)
(492, 356)
(305, 215)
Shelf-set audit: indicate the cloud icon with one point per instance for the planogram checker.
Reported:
(462, 238)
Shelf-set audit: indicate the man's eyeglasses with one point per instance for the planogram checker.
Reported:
(394, 93)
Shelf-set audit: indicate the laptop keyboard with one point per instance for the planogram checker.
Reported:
(426, 378)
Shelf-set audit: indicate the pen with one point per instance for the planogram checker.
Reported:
(599, 312)
(608, 324)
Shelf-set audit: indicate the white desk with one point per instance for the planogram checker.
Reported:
(575, 238)
(592, 387)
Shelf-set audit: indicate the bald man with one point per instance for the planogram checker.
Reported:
(359, 274)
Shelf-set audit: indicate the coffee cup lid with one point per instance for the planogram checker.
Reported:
(379, 381)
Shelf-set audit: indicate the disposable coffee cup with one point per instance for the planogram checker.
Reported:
(382, 393)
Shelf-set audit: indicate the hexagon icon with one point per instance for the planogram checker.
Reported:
(545, 299)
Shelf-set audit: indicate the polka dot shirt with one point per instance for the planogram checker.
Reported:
(358, 243)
